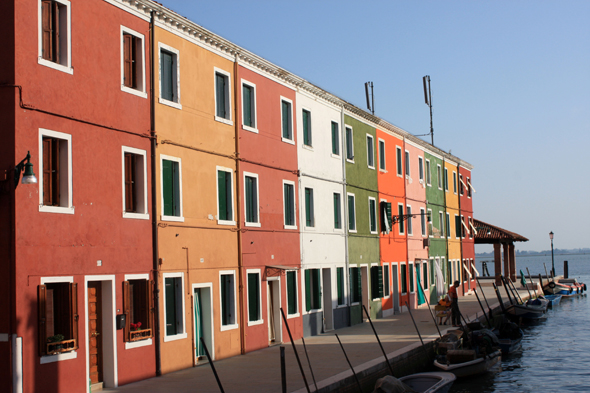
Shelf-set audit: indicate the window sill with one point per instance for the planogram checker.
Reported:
(225, 222)
(355, 304)
(289, 316)
(374, 232)
(307, 147)
(349, 160)
(253, 224)
(337, 156)
(133, 91)
(383, 170)
(371, 167)
(172, 218)
(138, 344)
(338, 230)
(290, 141)
(56, 66)
(56, 209)
(251, 129)
(340, 306)
(175, 337)
(137, 216)
(314, 311)
(311, 229)
(59, 357)
(399, 175)
(228, 327)
(229, 122)
(170, 103)
(254, 323)
(290, 226)
(352, 231)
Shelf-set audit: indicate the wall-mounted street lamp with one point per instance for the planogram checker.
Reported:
(28, 177)
(552, 259)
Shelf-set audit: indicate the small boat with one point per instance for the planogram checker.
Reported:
(553, 299)
(436, 381)
(577, 288)
(466, 363)
(509, 337)
(520, 312)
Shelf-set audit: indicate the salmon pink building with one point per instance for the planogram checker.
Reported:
(468, 228)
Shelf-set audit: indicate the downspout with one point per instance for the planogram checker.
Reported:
(154, 205)
(238, 211)
(343, 153)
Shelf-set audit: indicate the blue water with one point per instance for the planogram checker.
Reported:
(556, 352)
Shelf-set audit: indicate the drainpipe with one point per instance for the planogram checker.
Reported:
(343, 153)
(154, 208)
(238, 211)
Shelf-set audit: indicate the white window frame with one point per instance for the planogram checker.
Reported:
(400, 161)
(372, 147)
(297, 314)
(380, 142)
(423, 222)
(388, 278)
(141, 343)
(346, 128)
(67, 67)
(428, 174)
(291, 128)
(164, 217)
(454, 182)
(349, 194)
(253, 108)
(143, 186)
(176, 74)
(261, 320)
(421, 169)
(374, 217)
(183, 335)
(228, 99)
(234, 325)
(439, 177)
(233, 212)
(292, 183)
(399, 227)
(66, 182)
(254, 175)
(141, 90)
(409, 223)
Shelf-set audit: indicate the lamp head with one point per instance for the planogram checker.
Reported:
(551, 235)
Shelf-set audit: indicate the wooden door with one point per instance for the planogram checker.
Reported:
(94, 331)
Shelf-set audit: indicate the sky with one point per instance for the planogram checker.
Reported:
(510, 87)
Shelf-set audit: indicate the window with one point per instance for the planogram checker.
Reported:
(472, 269)
(335, 139)
(58, 315)
(428, 177)
(254, 297)
(425, 274)
(446, 180)
(134, 183)
(287, 119)
(306, 118)
(249, 106)
(433, 262)
(251, 199)
(55, 44)
(138, 308)
(400, 212)
(404, 278)
(227, 289)
(337, 211)
(461, 184)
(430, 222)
(169, 76)
(439, 177)
(410, 219)
(455, 182)
(355, 284)
(468, 188)
(55, 164)
(222, 96)
(376, 282)
(398, 151)
(289, 204)
(171, 188)
(448, 222)
(463, 226)
(386, 219)
(421, 169)
(313, 290)
(411, 274)
(225, 196)
(132, 62)
(457, 226)
(382, 155)
(351, 213)
(340, 285)
(292, 303)
(174, 306)
(407, 163)
(349, 145)
(370, 152)
(372, 215)
(386, 280)
(423, 221)
(441, 222)
(309, 212)
(470, 221)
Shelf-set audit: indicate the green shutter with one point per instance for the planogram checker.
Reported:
(168, 187)
(292, 292)
(317, 289)
(339, 282)
(372, 214)
(335, 139)
(224, 300)
(337, 221)
(411, 273)
(253, 299)
(167, 76)
(382, 155)
(380, 280)
(220, 95)
(309, 207)
(306, 127)
(351, 211)
(247, 105)
(400, 209)
(349, 150)
(222, 195)
(286, 119)
(170, 306)
(307, 290)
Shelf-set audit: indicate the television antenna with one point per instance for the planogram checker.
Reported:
(428, 100)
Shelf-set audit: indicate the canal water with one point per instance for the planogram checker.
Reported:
(556, 352)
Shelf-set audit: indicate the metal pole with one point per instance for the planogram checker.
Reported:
(350, 365)
(515, 290)
(212, 366)
(484, 298)
(552, 261)
(295, 350)
(431, 314)
(484, 311)
(416, 326)
(309, 363)
(530, 278)
(283, 371)
(379, 341)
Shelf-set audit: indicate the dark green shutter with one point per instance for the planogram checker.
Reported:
(399, 161)
(380, 280)
(337, 221)
(222, 195)
(286, 119)
(317, 289)
(370, 152)
(170, 289)
(168, 187)
(167, 75)
(288, 196)
(292, 292)
(349, 150)
(251, 200)
(350, 285)
(372, 214)
(382, 155)
(307, 290)
(247, 105)
(224, 300)
(335, 139)
(339, 282)
(411, 273)
(359, 283)
(306, 128)
(253, 299)
(400, 209)
(220, 95)
(309, 221)
(351, 211)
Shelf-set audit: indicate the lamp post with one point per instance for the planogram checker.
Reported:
(552, 259)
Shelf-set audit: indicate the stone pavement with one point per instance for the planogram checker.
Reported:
(259, 371)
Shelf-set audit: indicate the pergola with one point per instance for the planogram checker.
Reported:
(490, 234)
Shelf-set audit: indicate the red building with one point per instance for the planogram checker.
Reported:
(75, 248)
(269, 222)
(468, 229)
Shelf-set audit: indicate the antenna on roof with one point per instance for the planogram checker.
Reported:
(428, 101)
(370, 104)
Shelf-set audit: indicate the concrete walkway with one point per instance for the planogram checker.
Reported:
(260, 371)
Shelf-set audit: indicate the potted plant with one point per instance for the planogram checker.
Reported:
(56, 339)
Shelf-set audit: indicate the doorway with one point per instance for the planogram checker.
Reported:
(95, 331)
(273, 298)
(203, 322)
(365, 290)
(395, 288)
(327, 292)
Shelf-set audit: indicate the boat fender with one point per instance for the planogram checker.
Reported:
(551, 285)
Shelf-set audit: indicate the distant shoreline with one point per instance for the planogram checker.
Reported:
(491, 255)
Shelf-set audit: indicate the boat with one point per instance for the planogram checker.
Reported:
(577, 287)
(466, 363)
(430, 382)
(553, 299)
(520, 312)
(509, 337)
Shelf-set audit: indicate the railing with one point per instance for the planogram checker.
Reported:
(61, 346)
(137, 335)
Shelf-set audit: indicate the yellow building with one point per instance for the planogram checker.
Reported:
(452, 221)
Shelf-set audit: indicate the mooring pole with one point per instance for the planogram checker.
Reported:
(530, 278)
(379, 341)
(431, 314)
(309, 363)
(295, 350)
(484, 311)
(515, 290)
(212, 366)
(505, 285)
(350, 365)
(283, 371)
(416, 326)
(484, 298)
